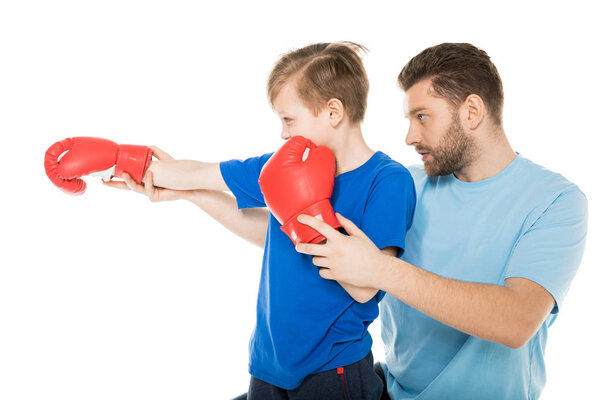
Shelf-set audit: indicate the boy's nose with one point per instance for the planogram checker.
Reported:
(285, 134)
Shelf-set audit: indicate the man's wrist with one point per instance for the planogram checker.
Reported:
(192, 195)
(382, 267)
(390, 270)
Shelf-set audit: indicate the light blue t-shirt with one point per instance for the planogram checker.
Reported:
(524, 222)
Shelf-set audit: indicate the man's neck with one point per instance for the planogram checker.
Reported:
(494, 154)
(350, 150)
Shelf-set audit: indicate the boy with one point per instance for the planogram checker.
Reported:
(311, 339)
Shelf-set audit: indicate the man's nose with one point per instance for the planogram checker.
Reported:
(412, 136)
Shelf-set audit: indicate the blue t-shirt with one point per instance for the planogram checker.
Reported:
(523, 222)
(304, 323)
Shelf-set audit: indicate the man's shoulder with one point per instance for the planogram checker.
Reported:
(416, 170)
(532, 177)
(537, 178)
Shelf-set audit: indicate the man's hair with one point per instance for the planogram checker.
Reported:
(457, 70)
(323, 71)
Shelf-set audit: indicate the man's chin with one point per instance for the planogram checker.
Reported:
(430, 169)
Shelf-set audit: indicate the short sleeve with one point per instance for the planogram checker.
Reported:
(241, 177)
(550, 251)
(389, 210)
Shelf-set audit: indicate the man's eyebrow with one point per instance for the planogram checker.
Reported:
(416, 110)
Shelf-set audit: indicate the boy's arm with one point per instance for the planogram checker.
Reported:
(186, 174)
(169, 173)
(364, 294)
(250, 224)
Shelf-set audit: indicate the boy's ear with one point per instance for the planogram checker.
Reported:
(335, 109)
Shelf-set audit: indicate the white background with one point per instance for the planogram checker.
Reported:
(110, 296)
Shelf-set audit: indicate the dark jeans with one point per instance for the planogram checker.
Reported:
(379, 372)
(358, 381)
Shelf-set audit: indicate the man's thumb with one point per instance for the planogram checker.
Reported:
(349, 226)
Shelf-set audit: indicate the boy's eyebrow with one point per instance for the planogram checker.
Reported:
(415, 111)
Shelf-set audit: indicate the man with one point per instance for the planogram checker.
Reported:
(495, 243)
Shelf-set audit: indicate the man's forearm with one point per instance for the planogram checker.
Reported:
(187, 175)
(491, 312)
(250, 224)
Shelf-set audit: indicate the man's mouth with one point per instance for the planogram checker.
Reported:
(424, 154)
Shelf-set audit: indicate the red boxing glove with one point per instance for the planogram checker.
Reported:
(298, 179)
(68, 160)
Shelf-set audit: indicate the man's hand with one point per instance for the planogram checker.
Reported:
(352, 259)
(147, 187)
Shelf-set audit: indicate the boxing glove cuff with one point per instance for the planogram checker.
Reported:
(134, 160)
(301, 233)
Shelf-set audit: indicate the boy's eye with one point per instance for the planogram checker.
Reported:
(287, 120)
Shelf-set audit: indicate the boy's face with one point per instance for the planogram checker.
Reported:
(297, 119)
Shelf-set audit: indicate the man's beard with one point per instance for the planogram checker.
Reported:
(455, 151)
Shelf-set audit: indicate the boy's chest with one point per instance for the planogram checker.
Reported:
(349, 198)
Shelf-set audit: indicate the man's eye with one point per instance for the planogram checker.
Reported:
(420, 117)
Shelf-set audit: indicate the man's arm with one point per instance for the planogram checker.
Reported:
(250, 224)
(508, 314)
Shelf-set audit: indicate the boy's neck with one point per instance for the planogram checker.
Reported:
(350, 149)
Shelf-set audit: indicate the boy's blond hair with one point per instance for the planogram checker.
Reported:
(324, 71)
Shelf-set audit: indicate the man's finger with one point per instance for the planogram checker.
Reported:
(349, 226)
(160, 154)
(311, 249)
(149, 186)
(131, 183)
(125, 176)
(117, 184)
(318, 225)
(320, 262)
(326, 273)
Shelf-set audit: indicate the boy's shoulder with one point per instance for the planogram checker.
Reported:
(385, 166)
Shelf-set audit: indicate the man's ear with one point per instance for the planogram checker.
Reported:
(335, 111)
(472, 111)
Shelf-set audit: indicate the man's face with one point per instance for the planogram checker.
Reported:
(297, 119)
(436, 131)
